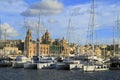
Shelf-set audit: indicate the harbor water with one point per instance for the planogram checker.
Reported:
(51, 74)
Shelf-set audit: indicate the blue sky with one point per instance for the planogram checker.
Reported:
(55, 16)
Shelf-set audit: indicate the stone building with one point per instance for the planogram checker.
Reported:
(11, 47)
(35, 48)
(46, 46)
(29, 44)
(60, 48)
(44, 49)
(56, 47)
(66, 50)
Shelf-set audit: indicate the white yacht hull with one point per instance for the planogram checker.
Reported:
(75, 66)
(17, 65)
(88, 68)
(30, 65)
(62, 66)
(45, 66)
(94, 68)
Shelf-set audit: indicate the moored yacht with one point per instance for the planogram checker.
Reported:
(114, 63)
(62, 66)
(19, 62)
(72, 63)
(91, 68)
(68, 64)
(4, 63)
(91, 64)
(31, 64)
(46, 63)
(95, 64)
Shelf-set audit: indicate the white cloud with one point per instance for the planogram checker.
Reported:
(33, 25)
(7, 30)
(105, 16)
(12, 6)
(45, 7)
(51, 20)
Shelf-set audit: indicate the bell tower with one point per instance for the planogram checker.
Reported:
(29, 45)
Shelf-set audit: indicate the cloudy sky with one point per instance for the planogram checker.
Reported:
(18, 15)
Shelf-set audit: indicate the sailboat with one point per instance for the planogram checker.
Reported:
(34, 60)
(3, 61)
(91, 65)
(115, 60)
(69, 63)
(42, 62)
(20, 60)
(62, 65)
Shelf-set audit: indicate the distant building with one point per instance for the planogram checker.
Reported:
(35, 48)
(44, 46)
(11, 47)
(60, 48)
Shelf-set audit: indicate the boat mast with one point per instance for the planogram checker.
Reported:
(88, 38)
(92, 24)
(113, 41)
(24, 40)
(38, 35)
(0, 30)
(5, 35)
(68, 30)
(118, 30)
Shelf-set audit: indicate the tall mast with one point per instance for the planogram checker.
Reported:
(113, 41)
(24, 40)
(87, 36)
(39, 21)
(0, 30)
(38, 35)
(118, 31)
(68, 30)
(92, 23)
(25, 24)
(89, 30)
(96, 39)
(5, 35)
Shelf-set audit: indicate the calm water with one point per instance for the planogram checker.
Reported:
(26, 74)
